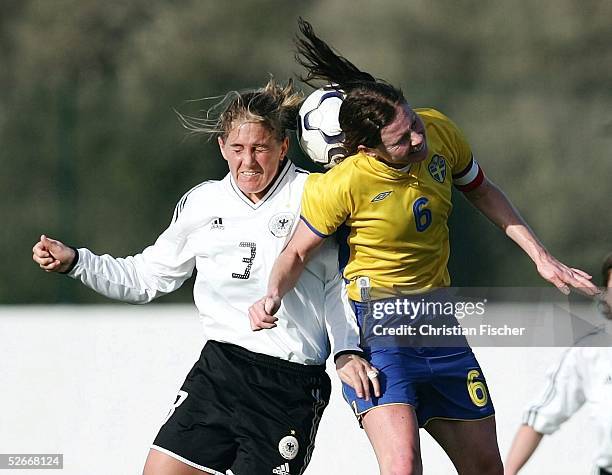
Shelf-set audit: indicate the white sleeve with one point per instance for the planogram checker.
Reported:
(339, 316)
(158, 270)
(561, 398)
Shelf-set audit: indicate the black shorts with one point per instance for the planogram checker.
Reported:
(245, 413)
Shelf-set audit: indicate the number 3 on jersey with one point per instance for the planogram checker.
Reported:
(247, 260)
(422, 215)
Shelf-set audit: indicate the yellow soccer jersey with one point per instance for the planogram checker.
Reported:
(397, 220)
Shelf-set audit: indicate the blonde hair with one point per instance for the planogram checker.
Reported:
(275, 106)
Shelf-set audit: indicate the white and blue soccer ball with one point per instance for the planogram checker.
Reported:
(319, 130)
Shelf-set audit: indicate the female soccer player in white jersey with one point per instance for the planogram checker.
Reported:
(582, 377)
(253, 401)
(394, 195)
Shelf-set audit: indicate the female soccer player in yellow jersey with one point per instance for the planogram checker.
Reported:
(394, 194)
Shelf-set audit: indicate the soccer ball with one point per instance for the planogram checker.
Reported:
(318, 129)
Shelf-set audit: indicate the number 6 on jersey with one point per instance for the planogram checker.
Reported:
(422, 215)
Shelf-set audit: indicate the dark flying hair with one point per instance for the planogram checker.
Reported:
(369, 104)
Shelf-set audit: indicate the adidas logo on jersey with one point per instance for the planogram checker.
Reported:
(281, 470)
(381, 196)
(217, 224)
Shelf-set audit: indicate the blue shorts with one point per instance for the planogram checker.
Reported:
(450, 386)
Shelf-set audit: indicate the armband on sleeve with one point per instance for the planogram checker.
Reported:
(470, 178)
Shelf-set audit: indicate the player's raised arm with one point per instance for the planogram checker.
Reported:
(285, 273)
(159, 269)
(496, 206)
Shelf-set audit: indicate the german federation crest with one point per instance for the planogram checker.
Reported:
(437, 168)
(280, 224)
(288, 447)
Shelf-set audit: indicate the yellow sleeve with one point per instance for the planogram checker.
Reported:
(462, 151)
(460, 155)
(326, 203)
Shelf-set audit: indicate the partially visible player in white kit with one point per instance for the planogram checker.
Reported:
(582, 377)
(252, 402)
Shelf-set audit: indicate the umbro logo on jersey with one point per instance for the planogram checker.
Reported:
(217, 224)
(281, 470)
(381, 196)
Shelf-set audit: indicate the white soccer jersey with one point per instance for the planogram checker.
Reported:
(233, 244)
(583, 376)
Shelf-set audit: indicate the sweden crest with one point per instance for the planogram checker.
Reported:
(437, 168)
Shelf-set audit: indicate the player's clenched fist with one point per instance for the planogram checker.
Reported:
(52, 255)
(359, 374)
(261, 313)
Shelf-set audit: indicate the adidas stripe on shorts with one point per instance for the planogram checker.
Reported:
(245, 413)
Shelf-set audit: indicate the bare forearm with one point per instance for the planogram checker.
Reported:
(285, 272)
(524, 444)
(291, 262)
(495, 205)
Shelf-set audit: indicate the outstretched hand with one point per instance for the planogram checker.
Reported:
(261, 313)
(359, 374)
(52, 255)
(564, 277)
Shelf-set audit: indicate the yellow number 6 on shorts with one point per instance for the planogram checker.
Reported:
(477, 389)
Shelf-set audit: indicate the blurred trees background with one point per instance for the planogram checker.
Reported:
(91, 152)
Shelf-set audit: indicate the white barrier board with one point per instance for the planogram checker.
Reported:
(95, 382)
